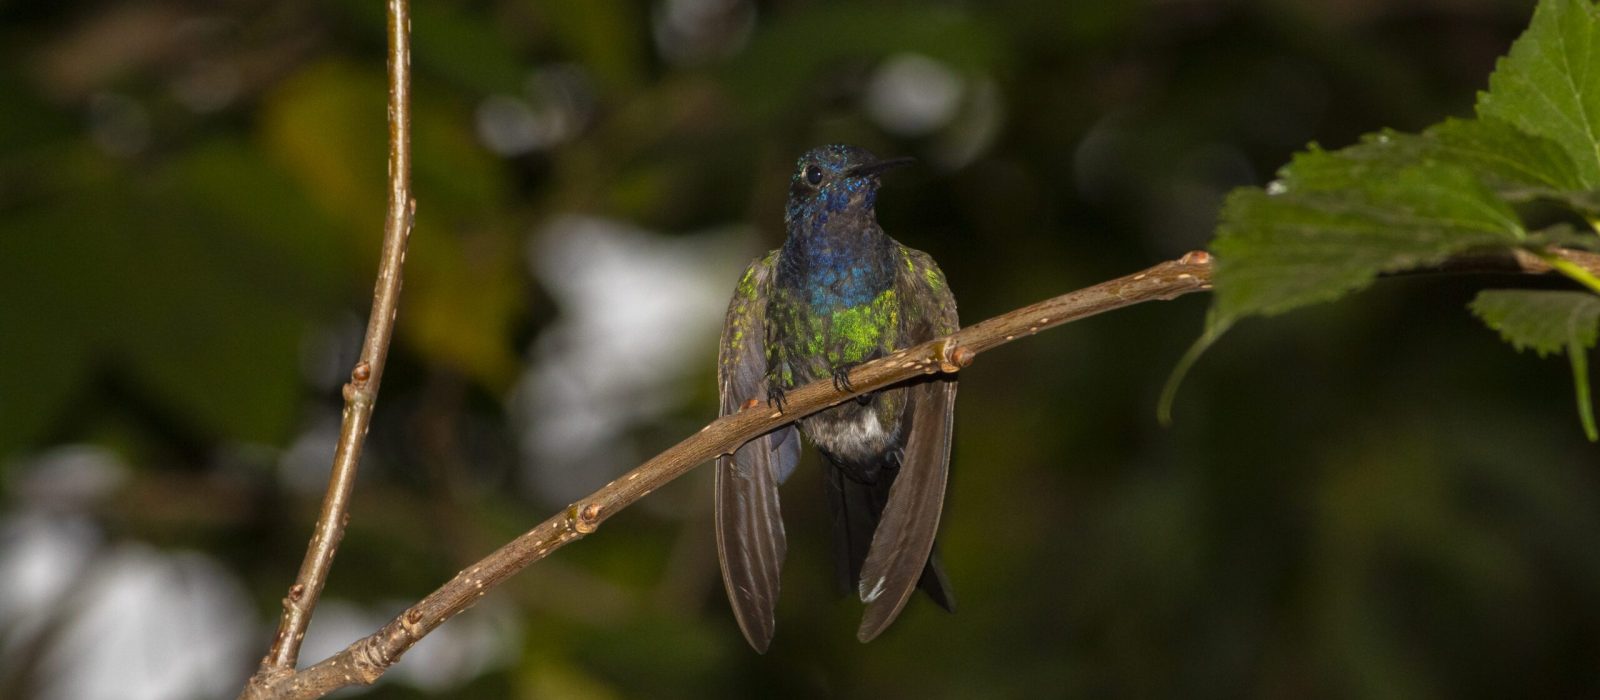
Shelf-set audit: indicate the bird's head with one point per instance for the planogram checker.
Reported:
(835, 182)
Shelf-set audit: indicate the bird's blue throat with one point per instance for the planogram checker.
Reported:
(835, 253)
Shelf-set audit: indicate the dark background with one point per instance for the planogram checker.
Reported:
(1374, 498)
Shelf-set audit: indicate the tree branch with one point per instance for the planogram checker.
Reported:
(368, 658)
(362, 390)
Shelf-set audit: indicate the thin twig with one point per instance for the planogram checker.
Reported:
(368, 658)
(362, 390)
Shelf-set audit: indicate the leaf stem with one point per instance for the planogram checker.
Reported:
(1169, 391)
(1573, 270)
(1579, 356)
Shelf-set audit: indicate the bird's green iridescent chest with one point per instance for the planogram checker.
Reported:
(808, 341)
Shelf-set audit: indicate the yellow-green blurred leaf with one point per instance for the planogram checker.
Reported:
(463, 289)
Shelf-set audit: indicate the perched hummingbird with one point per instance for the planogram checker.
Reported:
(838, 293)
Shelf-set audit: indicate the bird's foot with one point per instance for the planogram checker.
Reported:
(841, 378)
(776, 399)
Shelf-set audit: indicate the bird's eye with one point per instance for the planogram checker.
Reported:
(814, 175)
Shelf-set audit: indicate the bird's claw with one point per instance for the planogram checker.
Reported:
(776, 399)
(841, 379)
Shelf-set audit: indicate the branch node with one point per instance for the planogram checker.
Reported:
(946, 358)
(1195, 257)
(586, 519)
(410, 623)
(962, 357)
(357, 392)
(367, 662)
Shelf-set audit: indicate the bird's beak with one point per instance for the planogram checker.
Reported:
(879, 166)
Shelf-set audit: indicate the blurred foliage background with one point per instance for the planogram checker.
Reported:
(1373, 498)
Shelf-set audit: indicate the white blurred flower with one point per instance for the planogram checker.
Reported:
(640, 312)
(913, 95)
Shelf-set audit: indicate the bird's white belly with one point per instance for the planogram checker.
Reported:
(851, 432)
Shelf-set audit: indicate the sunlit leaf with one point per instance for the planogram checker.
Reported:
(319, 125)
(464, 286)
(1548, 85)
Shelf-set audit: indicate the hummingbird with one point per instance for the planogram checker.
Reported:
(838, 293)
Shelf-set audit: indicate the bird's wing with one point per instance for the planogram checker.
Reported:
(750, 540)
(904, 538)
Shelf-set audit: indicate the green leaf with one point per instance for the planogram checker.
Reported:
(1580, 380)
(1517, 166)
(1295, 244)
(167, 287)
(1549, 86)
(1545, 321)
(1169, 391)
(1549, 322)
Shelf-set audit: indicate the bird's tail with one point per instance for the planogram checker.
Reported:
(856, 509)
